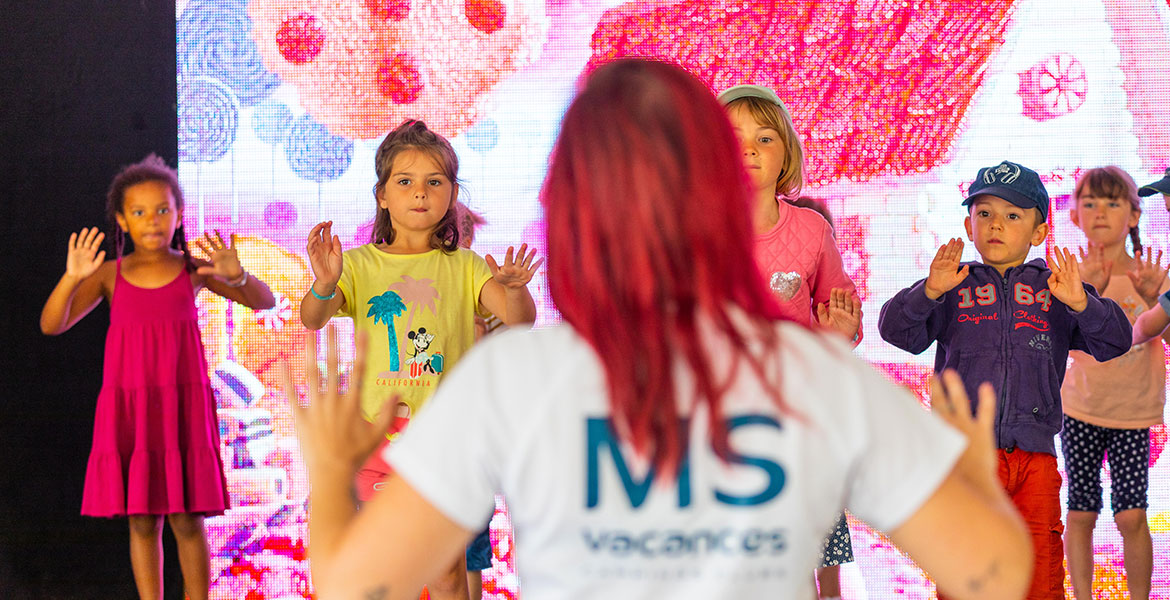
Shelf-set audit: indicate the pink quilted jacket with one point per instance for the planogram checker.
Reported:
(800, 261)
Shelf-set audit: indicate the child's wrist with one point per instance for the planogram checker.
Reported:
(1164, 302)
(324, 297)
(239, 281)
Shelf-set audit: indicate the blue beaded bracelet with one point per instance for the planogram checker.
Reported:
(319, 296)
(1164, 302)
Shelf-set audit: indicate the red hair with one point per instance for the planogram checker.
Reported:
(647, 206)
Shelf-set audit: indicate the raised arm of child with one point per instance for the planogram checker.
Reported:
(909, 320)
(1102, 329)
(223, 274)
(506, 294)
(323, 299)
(82, 286)
(1153, 323)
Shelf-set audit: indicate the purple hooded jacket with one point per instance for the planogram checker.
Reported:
(1008, 330)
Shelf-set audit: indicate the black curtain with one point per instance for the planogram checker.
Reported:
(87, 86)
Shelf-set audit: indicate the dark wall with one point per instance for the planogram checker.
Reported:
(87, 86)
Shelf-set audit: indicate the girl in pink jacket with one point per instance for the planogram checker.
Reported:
(794, 246)
(795, 250)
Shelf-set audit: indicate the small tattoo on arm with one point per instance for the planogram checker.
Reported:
(979, 582)
(379, 593)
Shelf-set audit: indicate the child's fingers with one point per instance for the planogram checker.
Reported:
(220, 244)
(315, 232)
(493, 267)
(508, 257)
(822, 315)
(233, 240)
(535, 266)
(199, 245)
(942, 252)
(97, 260)
(97, 241)
(72, 241)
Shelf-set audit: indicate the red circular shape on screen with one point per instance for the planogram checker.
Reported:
(399, 78)
(300, 38)
(485, 15)
(392, 10)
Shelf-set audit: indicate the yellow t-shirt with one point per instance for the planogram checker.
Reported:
(1128, 392)
(419, 312)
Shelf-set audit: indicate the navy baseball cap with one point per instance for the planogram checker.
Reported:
(1012, 182)
(1161, 186)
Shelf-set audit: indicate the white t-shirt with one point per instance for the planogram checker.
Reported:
(528, 412)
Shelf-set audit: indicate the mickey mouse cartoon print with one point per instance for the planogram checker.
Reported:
(422, 360)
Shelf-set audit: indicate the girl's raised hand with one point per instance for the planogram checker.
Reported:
(225, 263)
(324, 250)
(515, 273)
(84, 255)
(1065, 281)
(945, 273)
(333, 434)
(1147, 275)
(1095, 270)
(841, 313)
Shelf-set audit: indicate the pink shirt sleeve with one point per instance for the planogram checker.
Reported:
(830, 273)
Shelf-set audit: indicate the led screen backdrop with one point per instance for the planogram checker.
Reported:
(282, 103)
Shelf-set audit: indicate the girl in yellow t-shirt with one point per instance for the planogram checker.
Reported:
(1109, 407)
(413, 290)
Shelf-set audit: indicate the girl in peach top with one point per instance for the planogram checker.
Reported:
(1109, 407)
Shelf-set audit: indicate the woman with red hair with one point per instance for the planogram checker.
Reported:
(676, 438)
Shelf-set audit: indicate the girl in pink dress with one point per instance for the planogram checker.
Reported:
(156, 437)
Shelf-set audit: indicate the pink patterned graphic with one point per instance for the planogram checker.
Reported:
(1053, 87)
(875, 87)
(277, 316)
(1140, 36)
(300, 38)
(361, 67)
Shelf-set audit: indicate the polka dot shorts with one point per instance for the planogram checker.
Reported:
(838, 546)
(1085, 447)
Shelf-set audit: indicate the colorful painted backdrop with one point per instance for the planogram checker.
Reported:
(282, 103)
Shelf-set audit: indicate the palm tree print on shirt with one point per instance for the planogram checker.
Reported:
(418, 293)
(384, 308)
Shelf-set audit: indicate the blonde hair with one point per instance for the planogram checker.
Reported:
(1112, 182)
(770, 114)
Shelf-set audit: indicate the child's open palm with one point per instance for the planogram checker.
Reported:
(945, 273)
(515, 272)
(84, 256)
(1095, 270)
(1147, 275)
(841, 313)
(324, 251)
(1065, 281)
(225, 263)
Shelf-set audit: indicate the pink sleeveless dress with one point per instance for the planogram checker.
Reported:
(155, 435)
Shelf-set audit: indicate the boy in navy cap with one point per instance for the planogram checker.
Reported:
(1012, 323)
(1161, 186)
